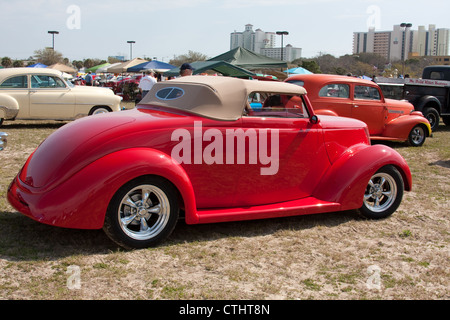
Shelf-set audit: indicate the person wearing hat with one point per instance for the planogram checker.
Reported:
(186, 70)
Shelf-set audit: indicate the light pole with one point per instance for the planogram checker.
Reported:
(53, 37)
(405, 27)
(282, 34)
(131, 48)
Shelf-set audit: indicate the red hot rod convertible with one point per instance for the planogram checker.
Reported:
(194, 148)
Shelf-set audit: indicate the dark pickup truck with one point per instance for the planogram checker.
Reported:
(430, 94)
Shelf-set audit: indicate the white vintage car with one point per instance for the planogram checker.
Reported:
(43, 94)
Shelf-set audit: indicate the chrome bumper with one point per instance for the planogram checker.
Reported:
(3, 140)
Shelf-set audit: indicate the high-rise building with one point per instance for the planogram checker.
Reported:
(264, 43)
(402, 42)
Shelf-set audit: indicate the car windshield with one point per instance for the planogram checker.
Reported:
(264, 104)
(69, 83)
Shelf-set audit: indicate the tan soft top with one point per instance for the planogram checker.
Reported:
(222, 98)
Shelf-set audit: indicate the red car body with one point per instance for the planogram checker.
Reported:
(82, 175)
(387, 119)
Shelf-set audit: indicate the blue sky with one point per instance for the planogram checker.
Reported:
(166, 28)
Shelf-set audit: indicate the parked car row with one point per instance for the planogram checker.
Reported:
(124, 86)
(195, 148)
(27, 93)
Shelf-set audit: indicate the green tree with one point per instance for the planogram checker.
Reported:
(77, 64)
(6, 62)
(48, 56)
(311, 66)
(192, 56)
(18, 64)
(88, 63)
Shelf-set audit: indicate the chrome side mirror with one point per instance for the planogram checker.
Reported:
(314, 119)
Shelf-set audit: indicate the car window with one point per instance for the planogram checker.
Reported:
(335, 90)
(44, 81)
(366, 93)
(15, 82)
(392, 91)
(437, 75)
(275, 106)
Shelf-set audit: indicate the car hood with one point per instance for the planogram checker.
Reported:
(92, 90)
(403, 105)
(79, 143)
(333, 122)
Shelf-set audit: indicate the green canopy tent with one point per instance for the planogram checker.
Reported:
(95, 68)
(250, 60)
(222, 67)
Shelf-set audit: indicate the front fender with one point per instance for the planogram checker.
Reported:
(346, 180)
(82, 200)
(401, 127)
(326, 112)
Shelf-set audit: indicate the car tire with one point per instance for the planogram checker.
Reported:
(99, 110)
(417, 136)
(383, 194)
(432, 116)
(142, 213)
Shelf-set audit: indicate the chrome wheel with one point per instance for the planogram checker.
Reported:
(144, 212)
(381, 192)
(100, 110)
(417, 136)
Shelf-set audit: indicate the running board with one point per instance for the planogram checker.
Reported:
(381, 138)
(303, 206)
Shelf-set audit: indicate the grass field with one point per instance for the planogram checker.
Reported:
(325, 256)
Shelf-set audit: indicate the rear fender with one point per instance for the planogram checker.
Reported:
(346, 180)
(81, 201)
(9, 107)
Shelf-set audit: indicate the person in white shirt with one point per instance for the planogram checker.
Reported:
(147, 82)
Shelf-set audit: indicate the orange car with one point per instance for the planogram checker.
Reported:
(388, 120)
